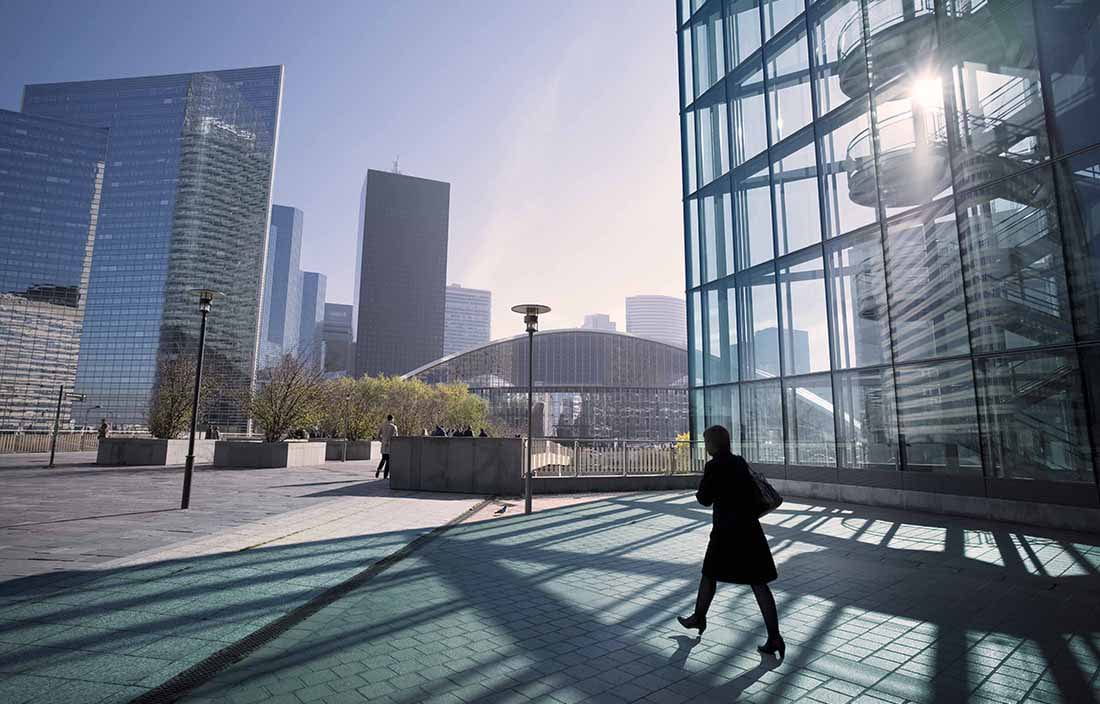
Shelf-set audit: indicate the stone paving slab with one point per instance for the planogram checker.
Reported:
(257, 544)
(576, 603)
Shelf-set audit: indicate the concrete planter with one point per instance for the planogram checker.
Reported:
(357, 450)
(151, 451)
(240, 453)
(465, 465)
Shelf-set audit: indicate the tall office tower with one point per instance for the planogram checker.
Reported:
(468, 318)
(402, 273)
(892, 240)
(282, 305)
(338, 338)
(310, 340)
(661, 318)
(51, 177)
(186, 199)
(597, 321)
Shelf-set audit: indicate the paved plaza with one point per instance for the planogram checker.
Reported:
(573, 603)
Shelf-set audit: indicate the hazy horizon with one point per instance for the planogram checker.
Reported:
(556, 126)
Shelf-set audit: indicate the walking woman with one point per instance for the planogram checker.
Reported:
(737, 552)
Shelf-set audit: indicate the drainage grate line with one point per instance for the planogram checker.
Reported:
(204, 671)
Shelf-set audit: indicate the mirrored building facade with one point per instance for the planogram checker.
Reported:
(51, 178)
(185, 204)
(588, 384)
(899, 202)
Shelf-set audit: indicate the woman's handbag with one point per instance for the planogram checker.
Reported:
(769, 497)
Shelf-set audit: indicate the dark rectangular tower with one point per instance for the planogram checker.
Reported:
(402, 273)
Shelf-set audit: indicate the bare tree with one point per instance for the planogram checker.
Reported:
(170, 405)
(288, 395)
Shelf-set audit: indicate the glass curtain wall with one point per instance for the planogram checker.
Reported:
(892, 231)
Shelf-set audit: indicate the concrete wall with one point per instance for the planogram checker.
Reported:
(357, 449)
(238, 453)
(489, 466)
(151, 451)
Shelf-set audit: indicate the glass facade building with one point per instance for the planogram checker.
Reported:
(51, 179)
(468, 319)
(588, 384)
(281, 310)
(892, 237)
(661, 318)
(185, 204)
(311, 319)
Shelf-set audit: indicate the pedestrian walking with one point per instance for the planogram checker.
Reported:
(387, 432)
(738, 551)
(104, 429)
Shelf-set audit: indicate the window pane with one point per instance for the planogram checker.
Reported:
(794, 179)
(1033, 415)
(694, 243)
(1071, 56)
(998, 104)
(778, 14)
(752, 221)
(748, 118)
(1079, 189)
(713, 141)
(848, 175)
(763, 422)
(1090, 366)
(805, 325)
(858, 312)
(687, 86)
(810, 435)
(721, 358)
(1012, 261)
(924, 282)
(698, 417)
(691, 167)
(695, 338)
(742, 29)
(866, 419)
(717, 237)
(788, 72)
(759, 339)
(936, 418)
(723, 409)
(837, 81)
(710, 52)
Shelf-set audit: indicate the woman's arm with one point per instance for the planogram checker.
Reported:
(707, 488)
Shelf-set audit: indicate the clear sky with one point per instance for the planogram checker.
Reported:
(555, 123)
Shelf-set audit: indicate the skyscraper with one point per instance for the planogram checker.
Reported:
(312, 316)
(186, 199)
(468, 318)
(338, 338)
(598, 321)
(51, 177)
(898, 203)
(402, 273)
(661, 318)
(282, 306)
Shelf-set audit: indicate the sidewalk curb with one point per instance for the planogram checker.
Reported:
(205, 670)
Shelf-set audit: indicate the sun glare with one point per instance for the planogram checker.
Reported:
(927, 93)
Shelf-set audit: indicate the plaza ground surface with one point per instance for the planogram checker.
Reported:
(109, 593)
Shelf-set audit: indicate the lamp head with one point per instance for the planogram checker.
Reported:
(206, 297)
(531, 312)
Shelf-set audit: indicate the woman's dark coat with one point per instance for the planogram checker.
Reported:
(737, 551)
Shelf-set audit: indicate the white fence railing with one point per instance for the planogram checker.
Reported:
(581, 457)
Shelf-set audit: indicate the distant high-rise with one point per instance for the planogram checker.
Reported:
(186, 200)
(310, 340)
(468, 318)
(597, 321)
(338, 338)
(661, 318)
(51, 176)
(282, 305)
(402, 272)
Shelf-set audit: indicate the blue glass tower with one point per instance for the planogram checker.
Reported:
(892, 237)
(51, 177)
(311, 320)
(186, 198)
(282, 284)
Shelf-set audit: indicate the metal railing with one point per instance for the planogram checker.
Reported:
(20, 441)
(615, 457)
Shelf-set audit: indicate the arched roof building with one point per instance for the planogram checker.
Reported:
(588, 384)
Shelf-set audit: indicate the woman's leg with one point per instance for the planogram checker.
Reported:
(766, 602)
(707, 587)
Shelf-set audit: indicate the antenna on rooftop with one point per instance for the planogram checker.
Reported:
(396, 170)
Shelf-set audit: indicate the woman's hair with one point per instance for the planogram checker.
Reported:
(718, 435)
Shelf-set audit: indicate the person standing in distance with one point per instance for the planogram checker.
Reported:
(387, 432)
(738, 551)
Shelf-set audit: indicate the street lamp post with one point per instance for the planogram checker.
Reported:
(531, 313)
(84, 427)
(61, 396)
(206, 298)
